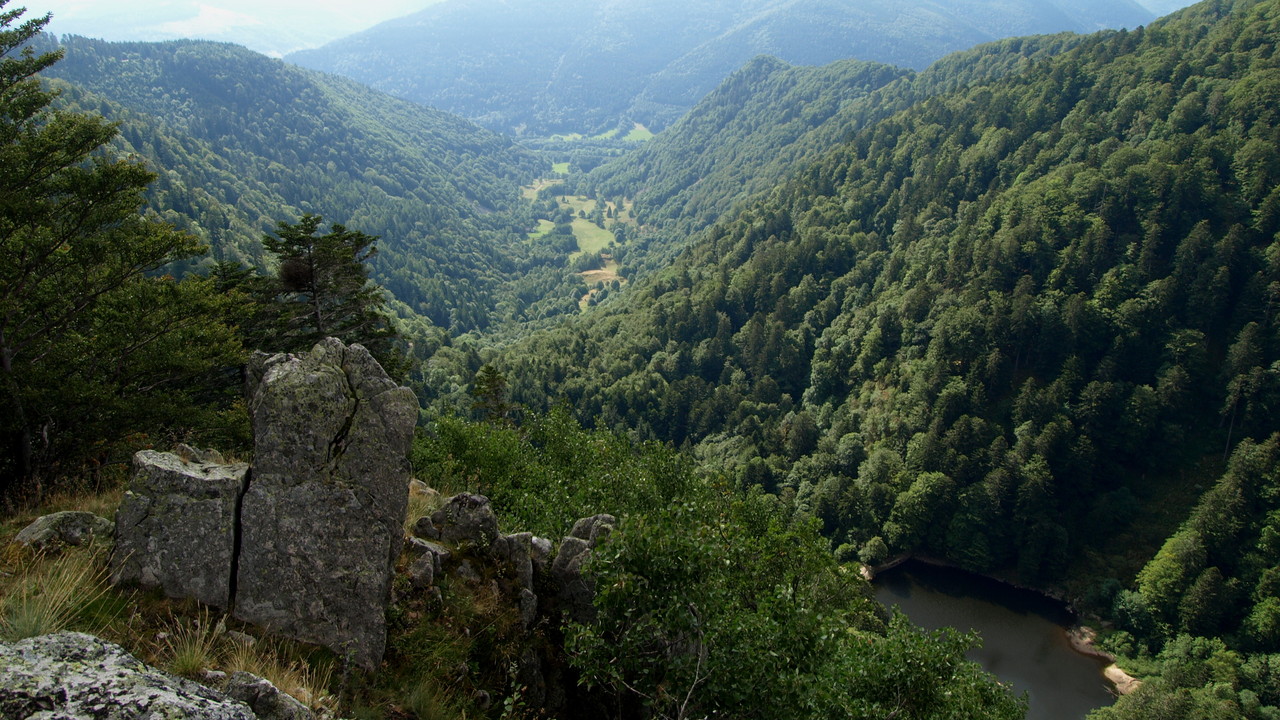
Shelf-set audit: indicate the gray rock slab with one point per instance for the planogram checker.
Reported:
(321, 520)
(575, 591)
(176, 527)
(73, 675)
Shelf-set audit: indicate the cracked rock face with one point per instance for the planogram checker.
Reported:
(176, 528)
(321, 520)
(73, 675)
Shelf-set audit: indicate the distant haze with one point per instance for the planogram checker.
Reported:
(1164, 7)
(273, 27)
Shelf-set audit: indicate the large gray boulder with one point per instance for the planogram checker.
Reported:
(72, 676)
(321, 520)
(176, 527)
(70, 527)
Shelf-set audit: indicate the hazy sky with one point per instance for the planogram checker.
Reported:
(269, 26)
(273, 27)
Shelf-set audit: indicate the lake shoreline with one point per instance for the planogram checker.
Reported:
(1081, 638)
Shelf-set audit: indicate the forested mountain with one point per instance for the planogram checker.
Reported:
(243, 141)
(1020, 325)
(588, 65)
(988, 327)
(769, 120)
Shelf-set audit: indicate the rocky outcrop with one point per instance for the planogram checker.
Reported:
(176, 528)
(461, 543)
(72, 675)
(304, 543)
(576, 591)
(321, 520)
(594, 529)
(64, 528)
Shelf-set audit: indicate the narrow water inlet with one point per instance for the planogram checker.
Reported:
(1024, 635)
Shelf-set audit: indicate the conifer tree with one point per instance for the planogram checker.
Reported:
(94, 345)
(324, 289)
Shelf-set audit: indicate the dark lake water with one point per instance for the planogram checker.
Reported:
(1024, 637)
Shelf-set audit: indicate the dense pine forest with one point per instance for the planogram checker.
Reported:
(1013, 312)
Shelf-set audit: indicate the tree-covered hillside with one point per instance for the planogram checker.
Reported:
(769, 120)
(242, 141)
(989, 327)
(589, 65)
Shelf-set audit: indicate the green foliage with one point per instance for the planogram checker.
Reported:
(94, 345)
(710, 602)
(549, 472)
(1208, 600)
(718, 608)
(490, 392)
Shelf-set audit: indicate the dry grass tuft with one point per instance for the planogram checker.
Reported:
(307, 682)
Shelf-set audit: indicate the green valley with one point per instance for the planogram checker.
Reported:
(786, 317)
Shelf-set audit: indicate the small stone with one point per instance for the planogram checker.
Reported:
(240, 638)
(213, 678)
(467, 520)
(266, 700)
(467, 572)
(421, 489)
(540, 551)
(514, 552)
(197, 456)
(424, 528)
(416, 547)
(422, 572)
(594, 529)
(528, 608)
(575, 591)
(65, 528)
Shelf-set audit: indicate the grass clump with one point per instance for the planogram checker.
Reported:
(48, 595)
(427, 701)
(193, 646)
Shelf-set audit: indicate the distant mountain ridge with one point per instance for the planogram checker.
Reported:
(585, 65)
